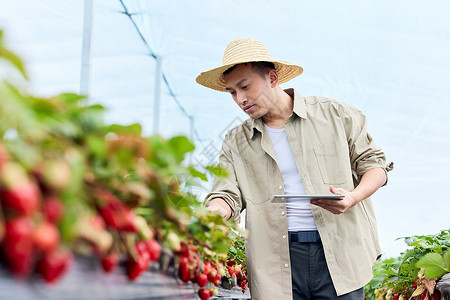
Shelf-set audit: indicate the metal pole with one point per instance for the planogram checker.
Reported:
(86, 47)
(157, 95)
(191, 124)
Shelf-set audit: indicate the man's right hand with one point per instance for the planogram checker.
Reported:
(219, 205)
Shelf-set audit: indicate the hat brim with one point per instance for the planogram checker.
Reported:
(214, 78)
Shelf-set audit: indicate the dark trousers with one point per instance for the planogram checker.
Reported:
(310, 276)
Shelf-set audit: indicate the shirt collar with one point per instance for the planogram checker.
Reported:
(299, 109)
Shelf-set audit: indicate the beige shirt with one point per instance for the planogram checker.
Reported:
(331, 145)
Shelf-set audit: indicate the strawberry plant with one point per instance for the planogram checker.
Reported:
(72, 185)
(414, 274)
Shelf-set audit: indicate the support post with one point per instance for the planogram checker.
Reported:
(86, 47)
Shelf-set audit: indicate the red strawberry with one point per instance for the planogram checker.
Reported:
(204, 294)
(206, 267)
(436, 295)
(53, 265)
(116, 214)
(217, 280)
(396, 296)
(46, 236)
(154, 249)
(136, 268)
(183, 270)
(212, 275)
(230, 270)
(53, 209)
(110, 262)
(17, 246)
(23, 197)
(243, 284)
(201, 279)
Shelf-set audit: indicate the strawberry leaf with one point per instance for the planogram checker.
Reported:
(434, 265)
(446, 257)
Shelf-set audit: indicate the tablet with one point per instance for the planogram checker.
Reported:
(281, 198)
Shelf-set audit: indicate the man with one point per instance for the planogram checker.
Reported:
(293, 145)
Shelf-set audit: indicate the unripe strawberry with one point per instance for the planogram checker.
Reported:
(173, 242)
(46, 236)
(4, 155)
(213, 292)
(143, 229)
(57, 174)
(12, 174)
(237, 270)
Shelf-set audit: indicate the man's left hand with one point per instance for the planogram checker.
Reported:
(336, 206)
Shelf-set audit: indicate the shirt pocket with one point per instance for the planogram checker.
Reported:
(256, 188)
(331, 166)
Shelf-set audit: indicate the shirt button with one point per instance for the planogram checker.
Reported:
(280, 187)
(286, 265)
(284, 236)
(283, 213)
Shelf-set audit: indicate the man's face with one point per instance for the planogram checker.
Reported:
(250, 91)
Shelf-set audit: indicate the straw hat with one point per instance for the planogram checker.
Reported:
(246, 50)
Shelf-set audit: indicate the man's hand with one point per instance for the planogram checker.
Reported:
(336, 206)
(220, 206)
(371, 181)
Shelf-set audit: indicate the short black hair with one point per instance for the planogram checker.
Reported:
(258, 67)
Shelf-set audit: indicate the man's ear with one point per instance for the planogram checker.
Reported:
(273, 77)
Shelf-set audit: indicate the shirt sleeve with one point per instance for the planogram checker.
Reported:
(364, 153)
(227, 187)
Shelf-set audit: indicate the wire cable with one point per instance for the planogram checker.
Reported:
(166, 81)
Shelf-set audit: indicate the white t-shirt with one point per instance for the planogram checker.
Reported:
(299, 216)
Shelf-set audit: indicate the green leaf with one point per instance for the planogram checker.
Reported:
(377, 279)
(97, 146)
(434, 265)
(180, 146)
(217, 171)
(71, 98)
(14, 60)
(196, 173)
(447, 259)
(134, 129)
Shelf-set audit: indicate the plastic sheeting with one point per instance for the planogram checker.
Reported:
(391, 59)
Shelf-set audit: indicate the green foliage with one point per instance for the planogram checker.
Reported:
(397, 273)
(435, 264)
(148, 174)
(11, 57)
